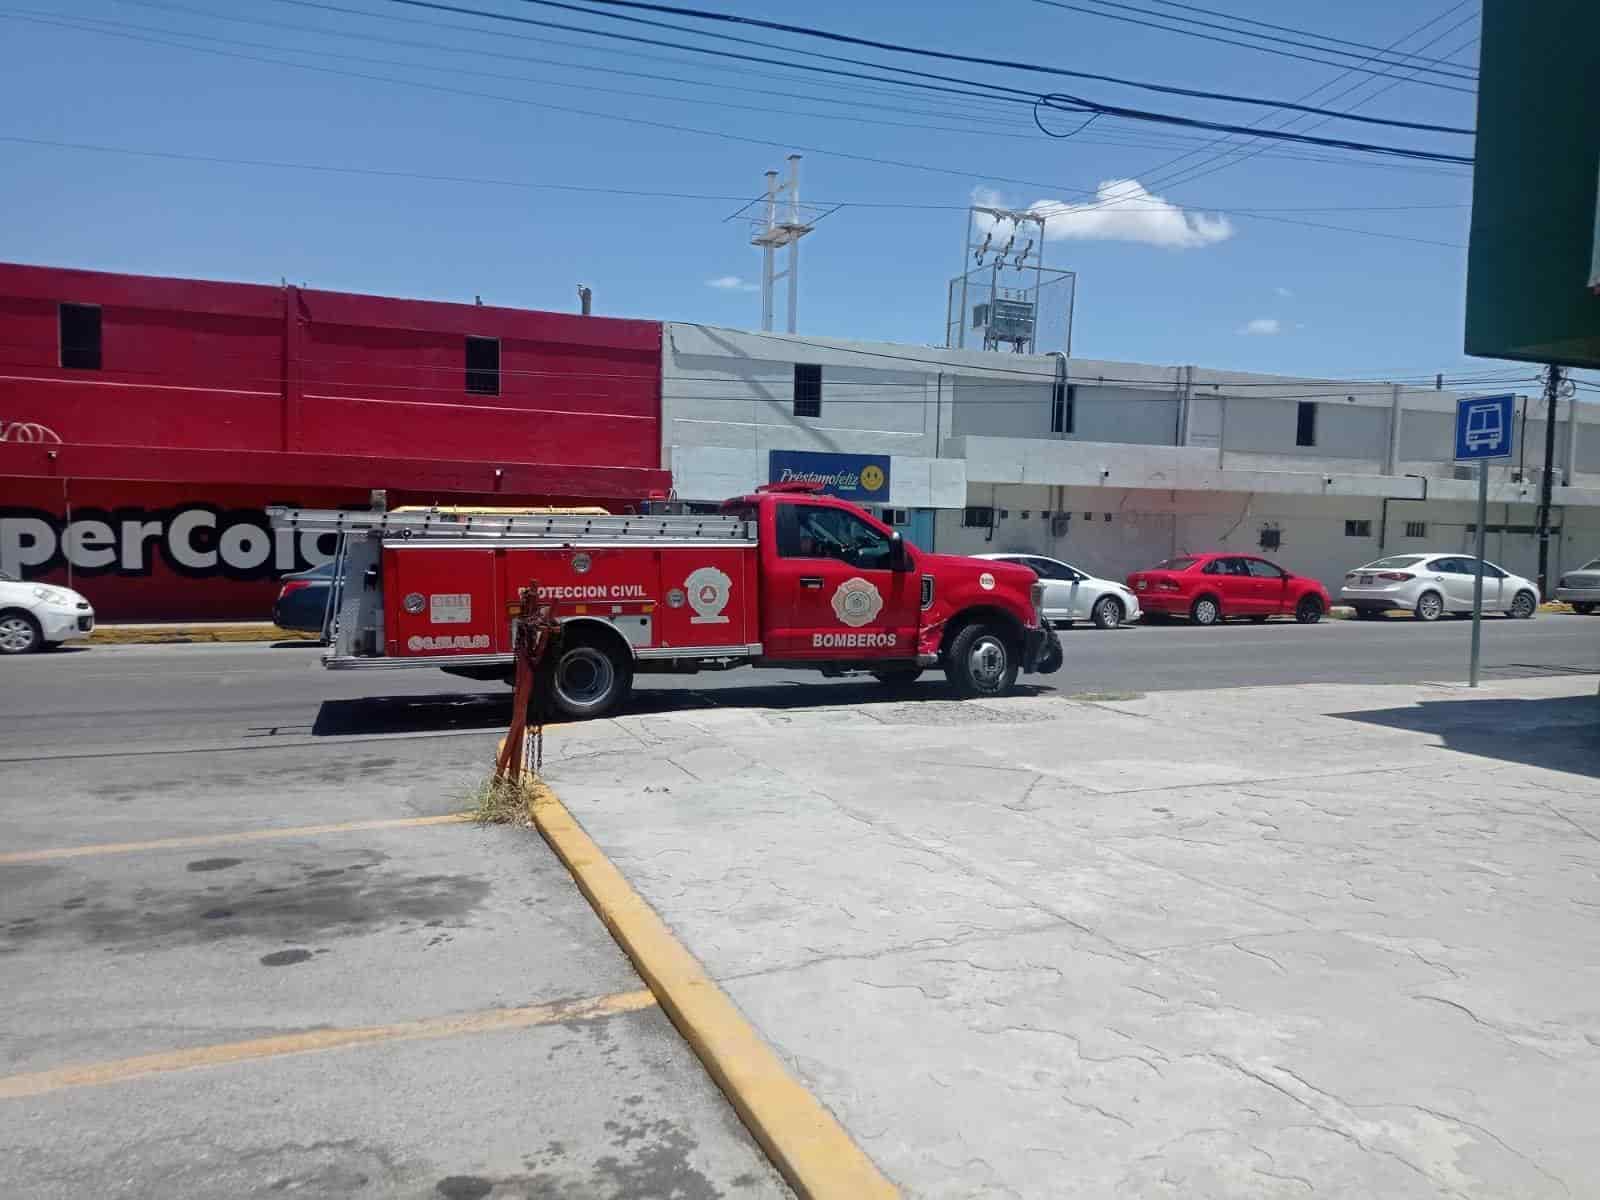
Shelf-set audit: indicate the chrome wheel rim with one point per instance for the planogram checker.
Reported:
(1109, 614)
(1430, 606)
(16, 635)
(1205, 612)
(986, 663)
(1522, 605)
(585, 676)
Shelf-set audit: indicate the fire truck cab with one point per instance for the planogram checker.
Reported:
(784, 577)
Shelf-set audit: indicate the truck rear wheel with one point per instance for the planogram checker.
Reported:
(587, 677)
(981, 661)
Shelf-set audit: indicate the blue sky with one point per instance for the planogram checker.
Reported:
(1227, 288)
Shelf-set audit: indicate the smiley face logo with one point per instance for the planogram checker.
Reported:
(872, 477)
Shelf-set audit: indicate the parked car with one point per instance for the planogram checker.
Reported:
(1581, 588)
(1208, 588)
(1430, 585)
(39, 616)
(1073, 595)
(303, 599)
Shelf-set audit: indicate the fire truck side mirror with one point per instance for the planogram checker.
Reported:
(899, 557)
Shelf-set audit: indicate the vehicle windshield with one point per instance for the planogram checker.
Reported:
(1182, 563)
(1395, 563)
(1592, 565)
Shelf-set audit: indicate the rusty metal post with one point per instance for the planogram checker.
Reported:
(532, 632)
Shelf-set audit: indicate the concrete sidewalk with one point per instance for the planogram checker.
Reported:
(1258, 942)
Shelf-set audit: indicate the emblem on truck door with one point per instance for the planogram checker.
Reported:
(708, 595)
(856, 602)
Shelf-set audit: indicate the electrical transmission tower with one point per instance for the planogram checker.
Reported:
(773, 233)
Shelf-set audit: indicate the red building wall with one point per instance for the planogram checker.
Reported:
(214, 400)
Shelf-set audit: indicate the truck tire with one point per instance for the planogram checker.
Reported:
(981, 661)
(587, 676)
(1053, 656)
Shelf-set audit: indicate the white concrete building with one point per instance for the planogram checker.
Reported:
(1116, 465)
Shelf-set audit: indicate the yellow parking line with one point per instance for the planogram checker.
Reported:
(799, 1135)
(225, 839)
(37, 1083)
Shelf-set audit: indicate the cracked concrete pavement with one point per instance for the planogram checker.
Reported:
(1264, 942)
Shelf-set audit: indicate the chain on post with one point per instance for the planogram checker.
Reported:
(533, 630)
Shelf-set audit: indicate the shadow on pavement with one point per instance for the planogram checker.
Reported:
(492, 710)
(1561, 733)
(413, 714)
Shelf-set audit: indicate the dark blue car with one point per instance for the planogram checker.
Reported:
(303, 598)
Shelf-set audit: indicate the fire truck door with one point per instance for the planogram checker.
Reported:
(833, 593)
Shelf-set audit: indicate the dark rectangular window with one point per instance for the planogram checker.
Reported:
(807, 390)
(1358, 529)
(977, 517)
(1416, 529)
(80, 336)
(1063, 400)
(483, 366)
(1305, 428)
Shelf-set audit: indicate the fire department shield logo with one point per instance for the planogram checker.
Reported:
(707, 590)
(856, 602)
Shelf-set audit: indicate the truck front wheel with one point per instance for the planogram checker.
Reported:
(587, 678)
(981, 661)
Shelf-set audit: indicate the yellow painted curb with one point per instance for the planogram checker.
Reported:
(137, 635)
(799, 1135)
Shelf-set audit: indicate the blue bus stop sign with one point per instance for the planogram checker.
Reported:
(1483, 427)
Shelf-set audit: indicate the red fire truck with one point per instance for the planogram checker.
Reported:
(786, 577)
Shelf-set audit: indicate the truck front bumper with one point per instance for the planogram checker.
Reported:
(1041, 651)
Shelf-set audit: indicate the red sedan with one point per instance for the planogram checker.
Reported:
(1208, 588)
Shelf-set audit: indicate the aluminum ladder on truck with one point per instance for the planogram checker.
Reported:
(363, 533)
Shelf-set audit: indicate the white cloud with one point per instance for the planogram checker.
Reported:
(731, 283)
(1284, 292)
(1124, 211)
(1262, 327)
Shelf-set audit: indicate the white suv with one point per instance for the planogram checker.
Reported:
(1430, 585)
(34, 616)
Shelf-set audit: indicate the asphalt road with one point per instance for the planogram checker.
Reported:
(123, 700)
(452, 955)
(261, 966)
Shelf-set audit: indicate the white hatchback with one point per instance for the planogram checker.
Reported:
(34, 616)
(1073, 595)
(1430, 585)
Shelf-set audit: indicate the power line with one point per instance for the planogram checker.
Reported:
(1110, 16)
(979, 60)
(479, 73)
(1061, 102)
(646, 122)
(1303, 32)
(888, 87)
(642, 193)
(1245, 151)
(1222, 159)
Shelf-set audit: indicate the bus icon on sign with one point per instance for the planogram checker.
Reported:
(1484, 430)
(1483, 427)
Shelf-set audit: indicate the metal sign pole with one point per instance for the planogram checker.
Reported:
(1477, 580)
(1483, 432)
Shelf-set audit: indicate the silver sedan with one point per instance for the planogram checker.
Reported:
(1073, 595)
